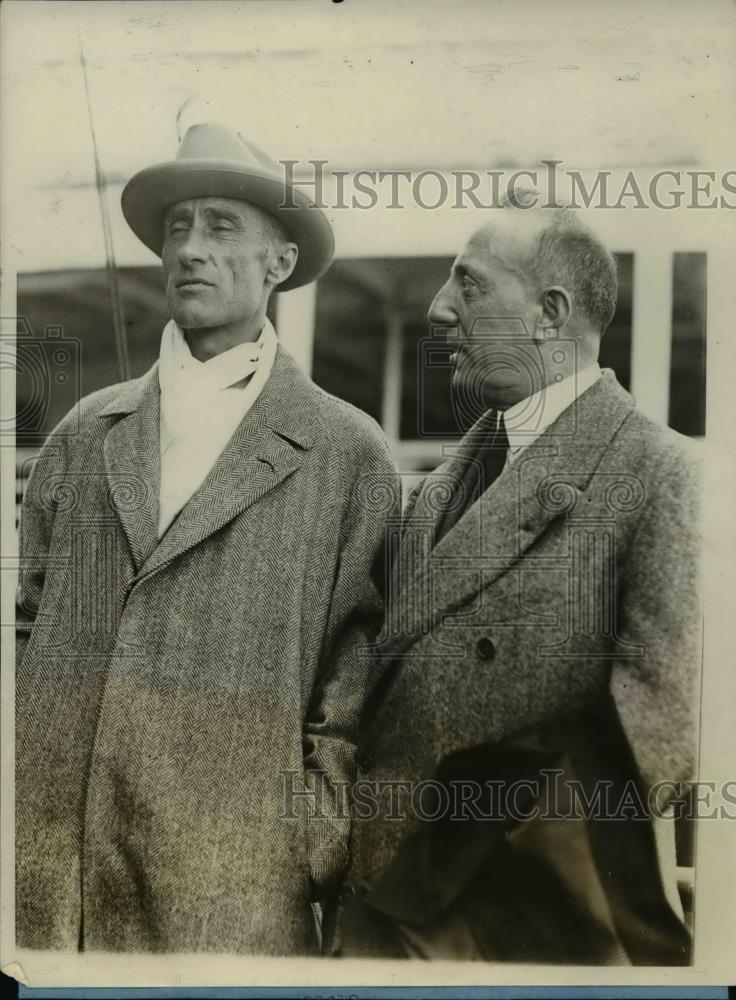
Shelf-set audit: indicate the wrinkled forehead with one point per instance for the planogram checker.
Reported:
(215, 207)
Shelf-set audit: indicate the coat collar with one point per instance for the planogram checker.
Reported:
(286, 378)
(131, 452)
(545, 482)
(265, 449)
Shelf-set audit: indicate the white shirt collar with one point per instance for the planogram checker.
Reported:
(528, 419)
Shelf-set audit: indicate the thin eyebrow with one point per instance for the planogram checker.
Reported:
(211, 214)
(222, 213)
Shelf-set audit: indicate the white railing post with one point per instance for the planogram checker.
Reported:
(295, 319)
(391, 401)
(651, 333)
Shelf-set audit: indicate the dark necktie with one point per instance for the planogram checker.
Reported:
(485, 466)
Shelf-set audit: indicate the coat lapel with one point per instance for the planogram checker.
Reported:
(266, 448)
(409, 574)
(132, 462)
(544, 483)
(439, 486)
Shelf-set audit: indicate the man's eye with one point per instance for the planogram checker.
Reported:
(469, 286)
(222, 227)
(177, 227)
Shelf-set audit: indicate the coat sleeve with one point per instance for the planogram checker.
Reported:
(656, 694)
(410, 505)
(36, 524)
(354, 619)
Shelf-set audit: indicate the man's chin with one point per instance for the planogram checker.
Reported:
(479, 392)
(191, 319)
(468, 381)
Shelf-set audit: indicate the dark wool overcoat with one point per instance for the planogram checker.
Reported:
(177, 698)
(555, 629)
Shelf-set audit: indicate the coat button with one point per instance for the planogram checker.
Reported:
(486, 648)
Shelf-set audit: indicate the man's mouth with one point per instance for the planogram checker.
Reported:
(193, 283)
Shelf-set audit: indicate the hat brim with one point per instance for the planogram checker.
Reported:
(148, 195)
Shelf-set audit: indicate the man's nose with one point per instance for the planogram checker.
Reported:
(192, 250)
(441, 312)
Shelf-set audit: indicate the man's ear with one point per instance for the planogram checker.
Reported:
(556, 309)
(282, 264)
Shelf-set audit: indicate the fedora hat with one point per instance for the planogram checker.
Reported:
(214, 161)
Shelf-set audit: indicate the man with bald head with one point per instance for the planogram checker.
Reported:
(525, 747)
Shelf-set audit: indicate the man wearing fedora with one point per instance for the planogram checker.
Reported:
(198, 591)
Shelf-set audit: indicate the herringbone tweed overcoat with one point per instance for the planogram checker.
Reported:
(164, 686)
(555, 627)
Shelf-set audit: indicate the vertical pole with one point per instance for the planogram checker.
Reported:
(295, 320)
(391, 402)
(118, 316)
(651, 334)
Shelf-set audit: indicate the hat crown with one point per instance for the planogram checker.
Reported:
(213, 141)
(216, 161)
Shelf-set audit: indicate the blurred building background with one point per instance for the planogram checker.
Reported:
(362, 333)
